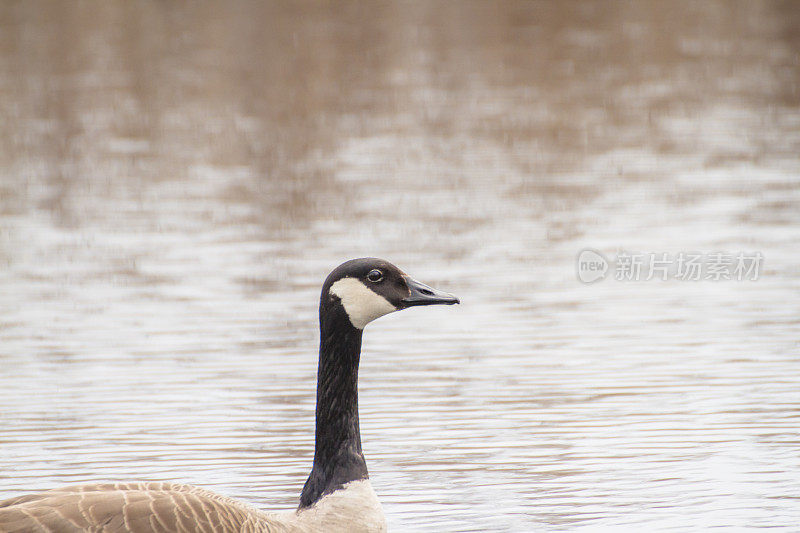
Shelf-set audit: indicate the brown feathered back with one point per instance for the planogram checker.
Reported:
(136, 508)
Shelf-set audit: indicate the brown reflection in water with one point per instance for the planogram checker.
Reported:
(108, 96)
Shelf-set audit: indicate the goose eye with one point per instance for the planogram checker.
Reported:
(375, 276)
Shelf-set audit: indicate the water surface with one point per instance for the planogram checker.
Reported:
(176, 180)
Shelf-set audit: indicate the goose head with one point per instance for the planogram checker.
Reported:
(368, 288)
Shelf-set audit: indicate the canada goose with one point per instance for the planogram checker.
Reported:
(337, 496)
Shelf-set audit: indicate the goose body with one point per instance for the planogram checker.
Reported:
(337, 497)
(142, 507)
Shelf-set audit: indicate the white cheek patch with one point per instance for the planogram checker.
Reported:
(361, 304)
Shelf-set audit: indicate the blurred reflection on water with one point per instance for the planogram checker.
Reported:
(177, 180)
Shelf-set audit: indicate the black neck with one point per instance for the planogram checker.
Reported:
(337, 453)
